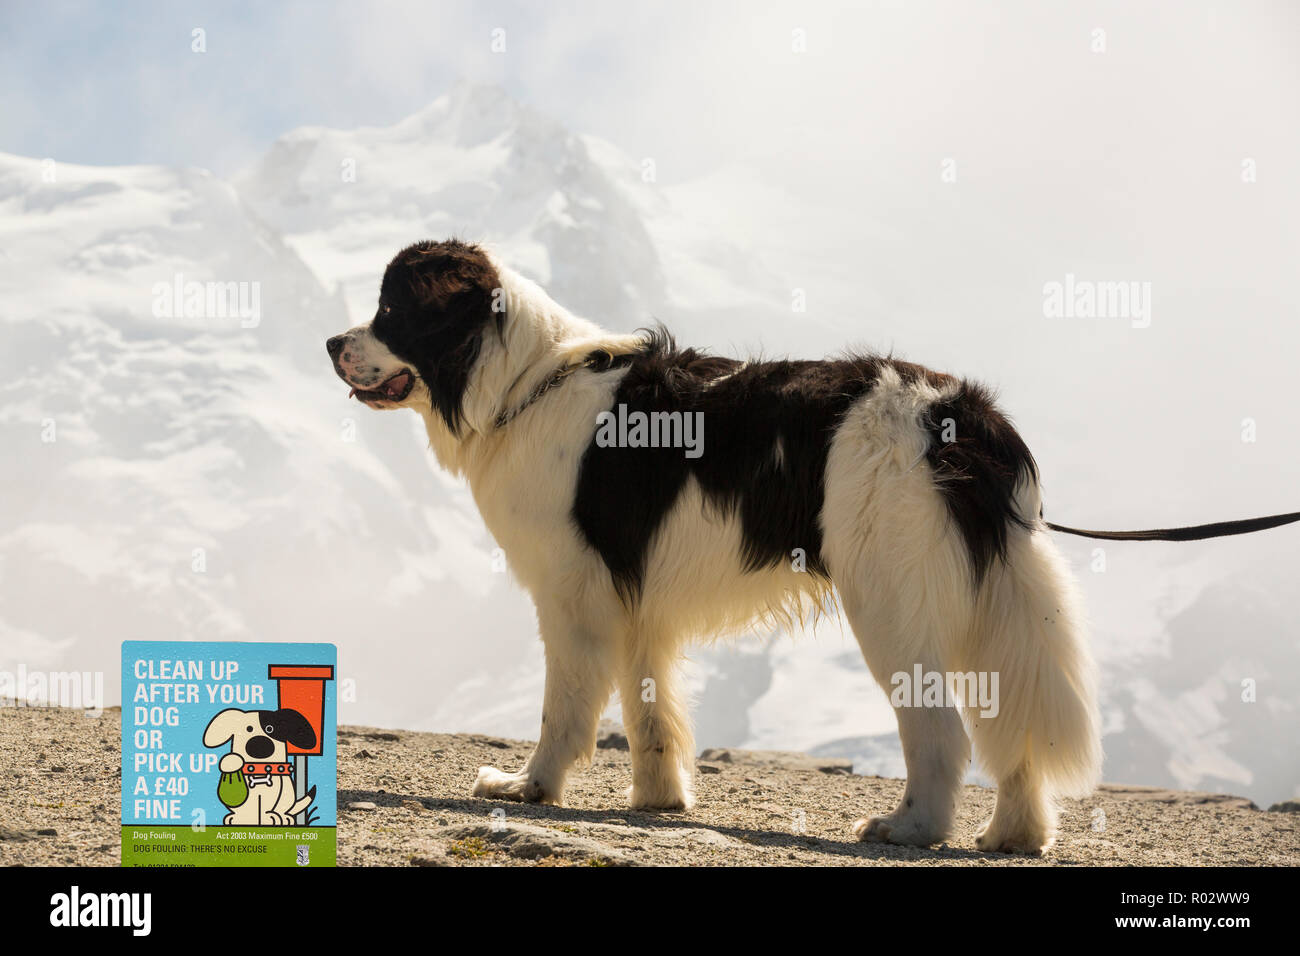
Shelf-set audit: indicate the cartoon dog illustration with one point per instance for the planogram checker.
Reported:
(257, 775)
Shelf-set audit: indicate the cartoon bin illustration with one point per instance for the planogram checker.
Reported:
(301, 687)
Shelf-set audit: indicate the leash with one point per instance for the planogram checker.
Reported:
(552, 380)
(1220, 529)
(599, 361)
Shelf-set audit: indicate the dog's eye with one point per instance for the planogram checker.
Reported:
(269, 729)
(248, 729)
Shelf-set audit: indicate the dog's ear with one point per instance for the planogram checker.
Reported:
(222, 727)
(288, 726)
(433, 274)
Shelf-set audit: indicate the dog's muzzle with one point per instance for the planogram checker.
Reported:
(365, 379)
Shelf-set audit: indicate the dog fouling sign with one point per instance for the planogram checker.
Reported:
(228, 754)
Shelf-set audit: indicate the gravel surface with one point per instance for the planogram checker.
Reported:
(404, 800)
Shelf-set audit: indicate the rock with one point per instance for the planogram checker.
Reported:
(48, 831)
(381, 735)
(610, 736)
(835, 765)
(628, 836)
(708, 768)
(435, 858)
(1286, 806)
(364, 755)
(1161, 795)
(778, 760)
(677, 835)
(527, 842)
(737, 824)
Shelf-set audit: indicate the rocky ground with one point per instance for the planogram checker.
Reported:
(404, 800)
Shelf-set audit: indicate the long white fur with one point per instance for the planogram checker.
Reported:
(898, 564)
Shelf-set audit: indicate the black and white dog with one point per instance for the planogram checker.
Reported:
(647, 495)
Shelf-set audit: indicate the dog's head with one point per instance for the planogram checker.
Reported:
(436, 302)
(260, 734)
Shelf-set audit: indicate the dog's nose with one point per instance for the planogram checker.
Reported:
(335, 345)
(259, 748)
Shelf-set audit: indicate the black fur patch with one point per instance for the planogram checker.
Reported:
(978, 471)
(624, 494)
(287, 726)
(751, 409)
(435, 303)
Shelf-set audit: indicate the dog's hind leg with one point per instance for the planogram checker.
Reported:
(932, 535)
(905, 587)
(935, 746)
(579, 680)
(657, 722)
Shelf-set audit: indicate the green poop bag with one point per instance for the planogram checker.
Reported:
(233, 789)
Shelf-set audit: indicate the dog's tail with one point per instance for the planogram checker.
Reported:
(302, 803)
(1029, 630)
(1028, 625)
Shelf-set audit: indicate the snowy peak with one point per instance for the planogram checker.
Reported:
(471, 115)
(477, 164)
(165, 252)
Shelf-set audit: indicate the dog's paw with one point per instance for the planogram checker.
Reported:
(991, 839)
(901, 829)
(230, 763)
(667, 799)
(498, 785)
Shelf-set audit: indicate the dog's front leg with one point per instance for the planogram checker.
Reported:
(579, 678)
(282, 812)
(275, 814)
(658, 725)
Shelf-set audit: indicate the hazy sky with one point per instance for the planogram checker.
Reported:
(693, 84)
(1106, 140)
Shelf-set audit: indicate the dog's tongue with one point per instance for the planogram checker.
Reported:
(396, 384)
(391, 388)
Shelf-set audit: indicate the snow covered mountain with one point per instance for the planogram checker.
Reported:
(179, 469)
(472, 163)
(570, 211)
